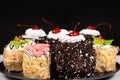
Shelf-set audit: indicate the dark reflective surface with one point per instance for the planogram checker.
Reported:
(19, 75)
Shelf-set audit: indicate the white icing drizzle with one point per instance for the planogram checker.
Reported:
(103, 46)
(72, 39)
(90, 32)
(21, 47)
(57, 35)
(30, 33)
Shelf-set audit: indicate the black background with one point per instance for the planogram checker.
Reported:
(62, 13)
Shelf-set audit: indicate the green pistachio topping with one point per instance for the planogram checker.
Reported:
(18, 41)
(102, 41)
(15, 43)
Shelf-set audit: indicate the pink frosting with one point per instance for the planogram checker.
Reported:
(38, 49)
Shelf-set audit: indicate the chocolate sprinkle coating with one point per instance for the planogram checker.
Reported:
(72, 60)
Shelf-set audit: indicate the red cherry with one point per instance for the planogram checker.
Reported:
(74, 33)
(91, 27)
(100, 38)
(35, 27)
(56, 30)
(18, 39)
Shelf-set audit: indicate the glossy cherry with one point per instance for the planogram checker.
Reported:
(18, 39)
(55, 30)
(100, 38)
(35, 27)
(74, 32)
(91, 27)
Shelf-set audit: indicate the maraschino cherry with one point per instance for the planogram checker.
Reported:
(100, 38)
(94, 28)
(34, 27)
(75, 33)
(91, 27)
(55, 30)
(104, 24)
(18, 39)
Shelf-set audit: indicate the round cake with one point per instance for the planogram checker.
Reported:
(74, 57)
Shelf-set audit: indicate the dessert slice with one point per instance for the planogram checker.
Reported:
(105, 55)
(36, 61)
(13, 54)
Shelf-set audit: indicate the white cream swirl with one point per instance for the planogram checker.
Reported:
(90, 32)
(72, 39)
(30, 33)
(57, 35)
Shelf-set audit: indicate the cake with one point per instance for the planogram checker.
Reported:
(53, 39)
(13, 54)
(36, 61)
(105, 55)
(60, 54)
(74, 57)
(104, 51)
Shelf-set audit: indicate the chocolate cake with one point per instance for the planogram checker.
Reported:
(73, 60)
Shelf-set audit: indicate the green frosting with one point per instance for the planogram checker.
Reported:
(25, 41)
(15, 43)
(97, 41)
(108, 42)
(102, 42)
(18, 42)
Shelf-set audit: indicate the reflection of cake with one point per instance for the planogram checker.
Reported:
(36, 61)
(13, 54)
(74, 57)
(105, 55)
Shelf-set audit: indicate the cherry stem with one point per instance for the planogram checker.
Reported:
(104, 24)
(24, 25)
(76, 26)
(48, 22)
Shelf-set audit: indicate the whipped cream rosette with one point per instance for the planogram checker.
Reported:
(13, 53)
(57, 35)
(90, 30)
(35, 33)
(36, 61)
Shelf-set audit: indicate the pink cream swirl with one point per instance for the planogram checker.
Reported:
(38, 50)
